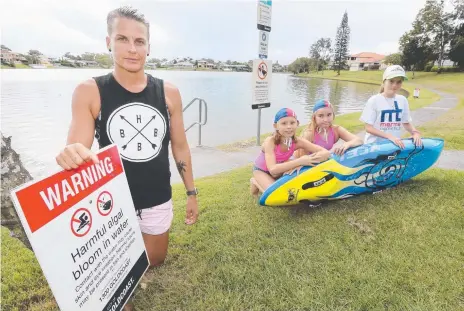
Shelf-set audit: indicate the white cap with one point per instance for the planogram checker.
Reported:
(393, 72)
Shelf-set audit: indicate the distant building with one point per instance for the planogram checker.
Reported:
(86, 63)
(366, 61)
(446, 63)
(44, 60)
(276, 67)
(226, 67)
(11, 57)
(205, 64)
(186, 65)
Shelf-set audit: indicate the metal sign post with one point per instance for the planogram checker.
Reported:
(262, 68)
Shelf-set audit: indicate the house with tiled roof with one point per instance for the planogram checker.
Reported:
(366, 61)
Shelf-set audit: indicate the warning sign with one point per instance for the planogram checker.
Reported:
(261, 83)
(81, 222)
(104, 203)
(92, 255)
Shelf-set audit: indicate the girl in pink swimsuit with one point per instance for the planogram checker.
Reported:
(322, 132)
(274, 158)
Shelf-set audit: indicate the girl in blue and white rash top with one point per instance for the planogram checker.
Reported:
(386, 112)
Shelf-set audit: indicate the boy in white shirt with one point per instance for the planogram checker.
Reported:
(385, 112)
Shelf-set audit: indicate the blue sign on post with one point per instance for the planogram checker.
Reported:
(263, 44)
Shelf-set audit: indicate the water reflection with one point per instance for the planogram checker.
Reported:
(345, 96)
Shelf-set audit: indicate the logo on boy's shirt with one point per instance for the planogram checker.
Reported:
(390, 114)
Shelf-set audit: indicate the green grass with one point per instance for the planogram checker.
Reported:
(449, 126)
(17, 66)
(446, 82)
(24, 286)
(399, 250)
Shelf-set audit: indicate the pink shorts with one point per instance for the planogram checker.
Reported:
(157, 219)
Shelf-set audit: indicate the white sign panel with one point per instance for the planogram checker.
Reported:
(263, 43)
(262, 72)
(264, 14)
(83, 228)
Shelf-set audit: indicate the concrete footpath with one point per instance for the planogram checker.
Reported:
(209, 161)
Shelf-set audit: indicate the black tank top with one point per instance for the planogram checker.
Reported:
(139, 124)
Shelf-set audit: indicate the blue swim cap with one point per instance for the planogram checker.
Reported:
(321, 103)
(284, 112)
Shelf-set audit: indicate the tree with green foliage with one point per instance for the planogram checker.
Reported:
(394, 59)
(429, 38)
(104, 60)
(33, 56)
(69, 56)
(416, 52)
(4, 47)
(87, 56)
(438, 27)
(300, 65)
(456, 52)
(320, 51)
(342, 42)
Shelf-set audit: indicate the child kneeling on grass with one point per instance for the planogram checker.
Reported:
(274, 158)
(323, 132)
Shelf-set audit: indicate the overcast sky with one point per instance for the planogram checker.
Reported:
(218, 29)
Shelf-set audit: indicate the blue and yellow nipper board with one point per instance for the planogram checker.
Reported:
(365, 169)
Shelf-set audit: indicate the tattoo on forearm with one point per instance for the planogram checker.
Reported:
(181, 168)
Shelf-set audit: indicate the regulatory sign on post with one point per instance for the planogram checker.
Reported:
(263, 44)
(262, 72)
(264, 14)
(83, 228)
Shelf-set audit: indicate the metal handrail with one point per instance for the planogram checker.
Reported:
(200, 123)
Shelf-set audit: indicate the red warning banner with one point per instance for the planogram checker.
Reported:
(45, 200)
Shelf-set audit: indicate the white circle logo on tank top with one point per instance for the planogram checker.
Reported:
(138, 129)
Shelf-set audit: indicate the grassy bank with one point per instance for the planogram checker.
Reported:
(448, 126)
(17, 66)
(373, 76)
(397, 250)
(394, 250)
(23, 284)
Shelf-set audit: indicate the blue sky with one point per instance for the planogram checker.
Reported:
(217, 29)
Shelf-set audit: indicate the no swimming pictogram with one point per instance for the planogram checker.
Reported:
(105, 203)
(81, 222)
